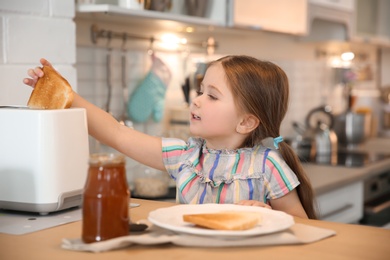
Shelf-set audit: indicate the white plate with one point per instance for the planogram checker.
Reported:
(172, 218)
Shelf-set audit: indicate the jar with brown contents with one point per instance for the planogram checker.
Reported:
(106, 199)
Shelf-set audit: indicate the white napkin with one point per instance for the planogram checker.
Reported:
(297, 234)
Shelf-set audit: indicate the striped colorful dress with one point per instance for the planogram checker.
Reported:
(204, 175)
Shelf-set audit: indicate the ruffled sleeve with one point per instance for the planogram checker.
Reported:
(177, 152)
(280, 179)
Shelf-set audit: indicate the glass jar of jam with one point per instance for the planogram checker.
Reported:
(106, 199)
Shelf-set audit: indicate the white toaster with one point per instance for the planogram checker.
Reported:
(43, 158)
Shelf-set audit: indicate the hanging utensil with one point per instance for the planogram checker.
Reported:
(186, 90)
(108, 71)
(124, 119)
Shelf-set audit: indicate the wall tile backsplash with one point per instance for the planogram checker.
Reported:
(30, 30)
(306, 80)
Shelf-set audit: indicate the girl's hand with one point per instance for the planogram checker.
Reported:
(254, 203)
(36, 73)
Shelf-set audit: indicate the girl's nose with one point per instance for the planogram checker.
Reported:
(196, 101)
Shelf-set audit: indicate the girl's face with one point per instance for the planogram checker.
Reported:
(214, 116)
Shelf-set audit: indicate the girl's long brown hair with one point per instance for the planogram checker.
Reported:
(261, 88)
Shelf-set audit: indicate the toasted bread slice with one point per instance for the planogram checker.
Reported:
(232, 220)
(51, 91)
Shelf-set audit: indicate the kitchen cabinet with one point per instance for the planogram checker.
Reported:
(343, 204)
(372, 22)
(279, 15)
(291, 17)
(347, 5)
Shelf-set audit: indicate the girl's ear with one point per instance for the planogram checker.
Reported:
(248, 124)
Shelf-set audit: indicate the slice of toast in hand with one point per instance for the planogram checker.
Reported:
(51, 91)
(232, 220)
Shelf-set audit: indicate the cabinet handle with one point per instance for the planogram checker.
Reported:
(378, 208)
(336, 211)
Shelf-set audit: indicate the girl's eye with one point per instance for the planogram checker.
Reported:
(199, 93)
(212, 97)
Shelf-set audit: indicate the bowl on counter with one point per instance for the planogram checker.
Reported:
(150, 183)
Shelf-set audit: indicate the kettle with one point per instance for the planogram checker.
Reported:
(325, 140)
(319, 122)
(303, 143)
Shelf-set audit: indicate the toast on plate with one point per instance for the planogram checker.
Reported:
(232, 220)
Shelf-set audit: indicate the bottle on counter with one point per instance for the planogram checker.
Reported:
(106, 199)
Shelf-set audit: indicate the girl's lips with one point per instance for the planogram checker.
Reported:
(193, 116)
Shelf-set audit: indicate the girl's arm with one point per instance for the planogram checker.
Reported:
(289, 203)
(101, 125)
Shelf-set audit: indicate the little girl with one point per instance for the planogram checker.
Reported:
(236, 154)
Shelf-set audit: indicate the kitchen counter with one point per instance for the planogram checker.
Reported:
(326, 178)
(351, 242)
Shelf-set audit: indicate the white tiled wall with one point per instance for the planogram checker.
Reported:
(31, 30)
(307, 84)
(30, 37)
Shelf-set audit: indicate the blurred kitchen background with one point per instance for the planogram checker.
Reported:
(335, 53)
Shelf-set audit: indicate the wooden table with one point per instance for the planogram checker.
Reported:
(351, 242)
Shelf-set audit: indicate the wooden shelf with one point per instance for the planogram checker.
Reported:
(155, 21)
(114, 13)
